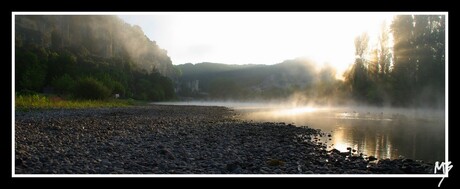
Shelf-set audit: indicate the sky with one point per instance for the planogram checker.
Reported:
(259, 37)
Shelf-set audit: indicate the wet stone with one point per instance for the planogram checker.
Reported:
(160, 139)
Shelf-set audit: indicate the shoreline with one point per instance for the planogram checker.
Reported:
(166, 139)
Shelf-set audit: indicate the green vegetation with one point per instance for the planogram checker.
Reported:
(36, 101)
(417, 75)
(90, 88)
(81, 58)
(88, 59)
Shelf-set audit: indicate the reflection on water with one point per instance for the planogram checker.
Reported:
(383, 133)
(379, 132)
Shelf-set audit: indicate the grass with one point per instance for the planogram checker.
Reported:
(37, 101)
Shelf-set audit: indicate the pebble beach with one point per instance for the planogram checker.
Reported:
(165, 139)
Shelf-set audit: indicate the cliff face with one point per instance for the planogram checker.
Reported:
(100, 36)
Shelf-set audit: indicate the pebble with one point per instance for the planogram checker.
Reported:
(161, 139)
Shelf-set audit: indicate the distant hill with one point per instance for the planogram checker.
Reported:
(240, 82)
(194, 70)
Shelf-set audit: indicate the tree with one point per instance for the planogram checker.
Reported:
(419, 59)
(384, 53)
(63, 84)
(361, 45)
(30, 72)
(373, 66)
(404, 62)
(90, 88)
(357, 77)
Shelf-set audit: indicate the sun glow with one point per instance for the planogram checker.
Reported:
(339, 141)
(295, 111)
(260, 37)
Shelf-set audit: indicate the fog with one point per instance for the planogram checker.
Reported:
(101, 35)
(358, 110)
(383, 132)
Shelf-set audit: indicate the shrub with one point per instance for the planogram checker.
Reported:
(26, 92)
(118, 88)
(63, 84)
(90, 88)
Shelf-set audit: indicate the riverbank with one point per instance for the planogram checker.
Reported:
(40, 102)
(161, 139)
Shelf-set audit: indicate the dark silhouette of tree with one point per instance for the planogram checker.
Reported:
(30, 72)
(404, 61)
(357, 76)
(419, 59)
(417, 76)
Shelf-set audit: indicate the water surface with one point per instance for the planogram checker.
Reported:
(380, 132)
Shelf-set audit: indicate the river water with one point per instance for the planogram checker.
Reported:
(380, 132)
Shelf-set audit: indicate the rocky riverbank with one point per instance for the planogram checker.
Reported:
(160, 139)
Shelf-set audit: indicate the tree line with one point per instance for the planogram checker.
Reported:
(72, 75)
(89, 57)
(409, 73)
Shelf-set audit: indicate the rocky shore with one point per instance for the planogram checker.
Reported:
(161, 139)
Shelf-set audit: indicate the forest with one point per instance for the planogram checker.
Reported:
(89, 57)
(412, 73)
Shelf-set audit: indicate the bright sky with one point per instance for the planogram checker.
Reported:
(259, 37)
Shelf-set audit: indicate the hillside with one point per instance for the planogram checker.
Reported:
(249, 82)
(55, 54)
(100, 36)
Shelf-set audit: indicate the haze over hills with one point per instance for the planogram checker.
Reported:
(409, 71)
(99, 36)
(80, 56)
(252, 82)
(56, 53)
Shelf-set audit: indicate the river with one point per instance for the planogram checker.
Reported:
(381, 132)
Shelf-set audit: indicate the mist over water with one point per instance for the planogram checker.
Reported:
(381, 132)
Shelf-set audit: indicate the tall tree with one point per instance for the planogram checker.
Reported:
(404, 61)
(357, 77)
(384, 51)
(429, 39)
(373, 65)
(419, 59)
